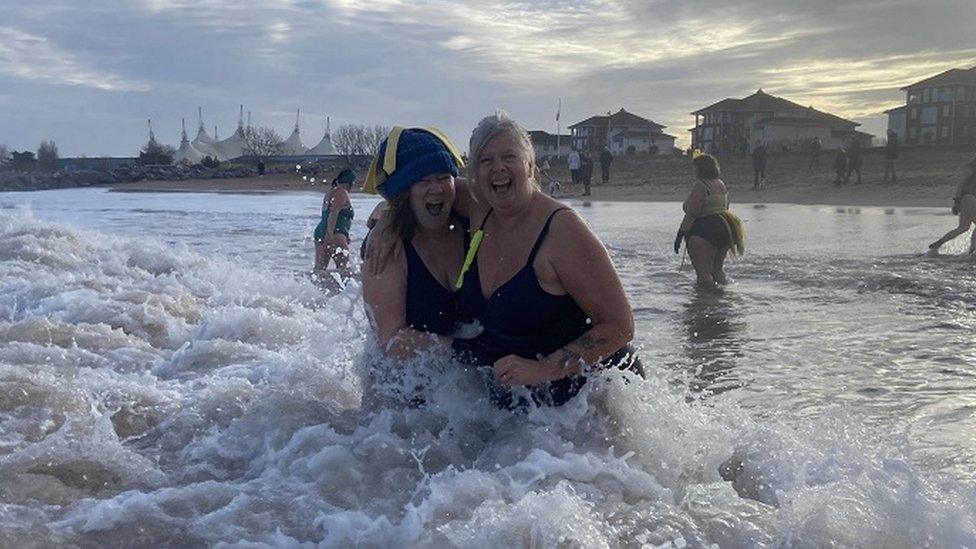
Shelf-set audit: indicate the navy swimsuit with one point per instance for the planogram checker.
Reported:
(523, 319)
(430, 306)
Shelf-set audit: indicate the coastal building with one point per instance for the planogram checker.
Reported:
(897, 121)
(734, 125)
(623, 132)
(548, 144)
(941, 109)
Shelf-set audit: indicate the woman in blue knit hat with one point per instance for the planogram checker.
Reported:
(415, 251)
(332, 233)
(541, 283)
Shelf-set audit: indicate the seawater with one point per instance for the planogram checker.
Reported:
(168, 378)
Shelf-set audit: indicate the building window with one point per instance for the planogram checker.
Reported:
(928, 95)
(929, 115)
(946, 110)
(913, 133)
(914, 114)
(914, 97)
(945, 131)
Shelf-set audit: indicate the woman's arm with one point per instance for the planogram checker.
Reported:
(692, 206)
(585, 271)
(385, 297)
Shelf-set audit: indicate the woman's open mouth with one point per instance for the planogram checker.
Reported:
(501, 186)
(435, 208)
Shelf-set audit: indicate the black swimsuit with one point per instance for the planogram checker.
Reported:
(712, 228)
(523, 319)
(430, 306)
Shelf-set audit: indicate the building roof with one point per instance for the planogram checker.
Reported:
(644, 135)
(541, 137)
(951, 77)
(764, 102)
(619, 118)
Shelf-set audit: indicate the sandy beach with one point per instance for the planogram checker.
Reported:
(927, 177)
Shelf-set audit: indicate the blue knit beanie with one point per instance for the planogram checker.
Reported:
(418, 154)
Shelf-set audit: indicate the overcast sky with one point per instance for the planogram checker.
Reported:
(89, 77)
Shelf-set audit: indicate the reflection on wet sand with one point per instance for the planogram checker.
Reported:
(713, 330)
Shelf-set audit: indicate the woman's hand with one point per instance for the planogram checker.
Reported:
(513, 371)
(677, 241)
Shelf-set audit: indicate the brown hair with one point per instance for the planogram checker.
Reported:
(400, 226)
(706, 167)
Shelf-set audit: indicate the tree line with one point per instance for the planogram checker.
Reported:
(258, 142)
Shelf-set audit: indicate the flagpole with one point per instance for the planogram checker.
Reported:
(558, 109)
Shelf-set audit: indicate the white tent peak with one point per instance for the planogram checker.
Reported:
(293, 146)
(202, 136)
(187, 153)
(325, 146)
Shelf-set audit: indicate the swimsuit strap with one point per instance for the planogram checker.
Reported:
(485, 219)
(542, 236)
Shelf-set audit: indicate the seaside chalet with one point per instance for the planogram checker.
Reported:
(734, 125)
(623, 133)
(547, 144)
(938, 110)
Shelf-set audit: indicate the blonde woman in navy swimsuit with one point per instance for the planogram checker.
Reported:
(538, 280)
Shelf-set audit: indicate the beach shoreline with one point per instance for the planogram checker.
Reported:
(864, 195)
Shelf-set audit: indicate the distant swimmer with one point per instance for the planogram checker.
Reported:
(332, 232)
(710, 230)
(963, 205)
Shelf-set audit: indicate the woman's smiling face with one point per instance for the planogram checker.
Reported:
(431, 200)
(504, 174)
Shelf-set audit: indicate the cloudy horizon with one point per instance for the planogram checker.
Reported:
(90, 78)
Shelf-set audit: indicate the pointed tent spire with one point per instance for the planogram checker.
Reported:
(240, 120)
(215, 131)
(200, 115)
(187, 154)
(151, 136)
(325, 146)
(293, 145)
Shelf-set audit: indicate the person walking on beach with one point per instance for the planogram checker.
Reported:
(891, 157)
(573, 162)
(815, 147)
(586, 172)
(840, 167)
(759, 157)
(710, 230)
(854, 160)
(963, 205)
(606, 158)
